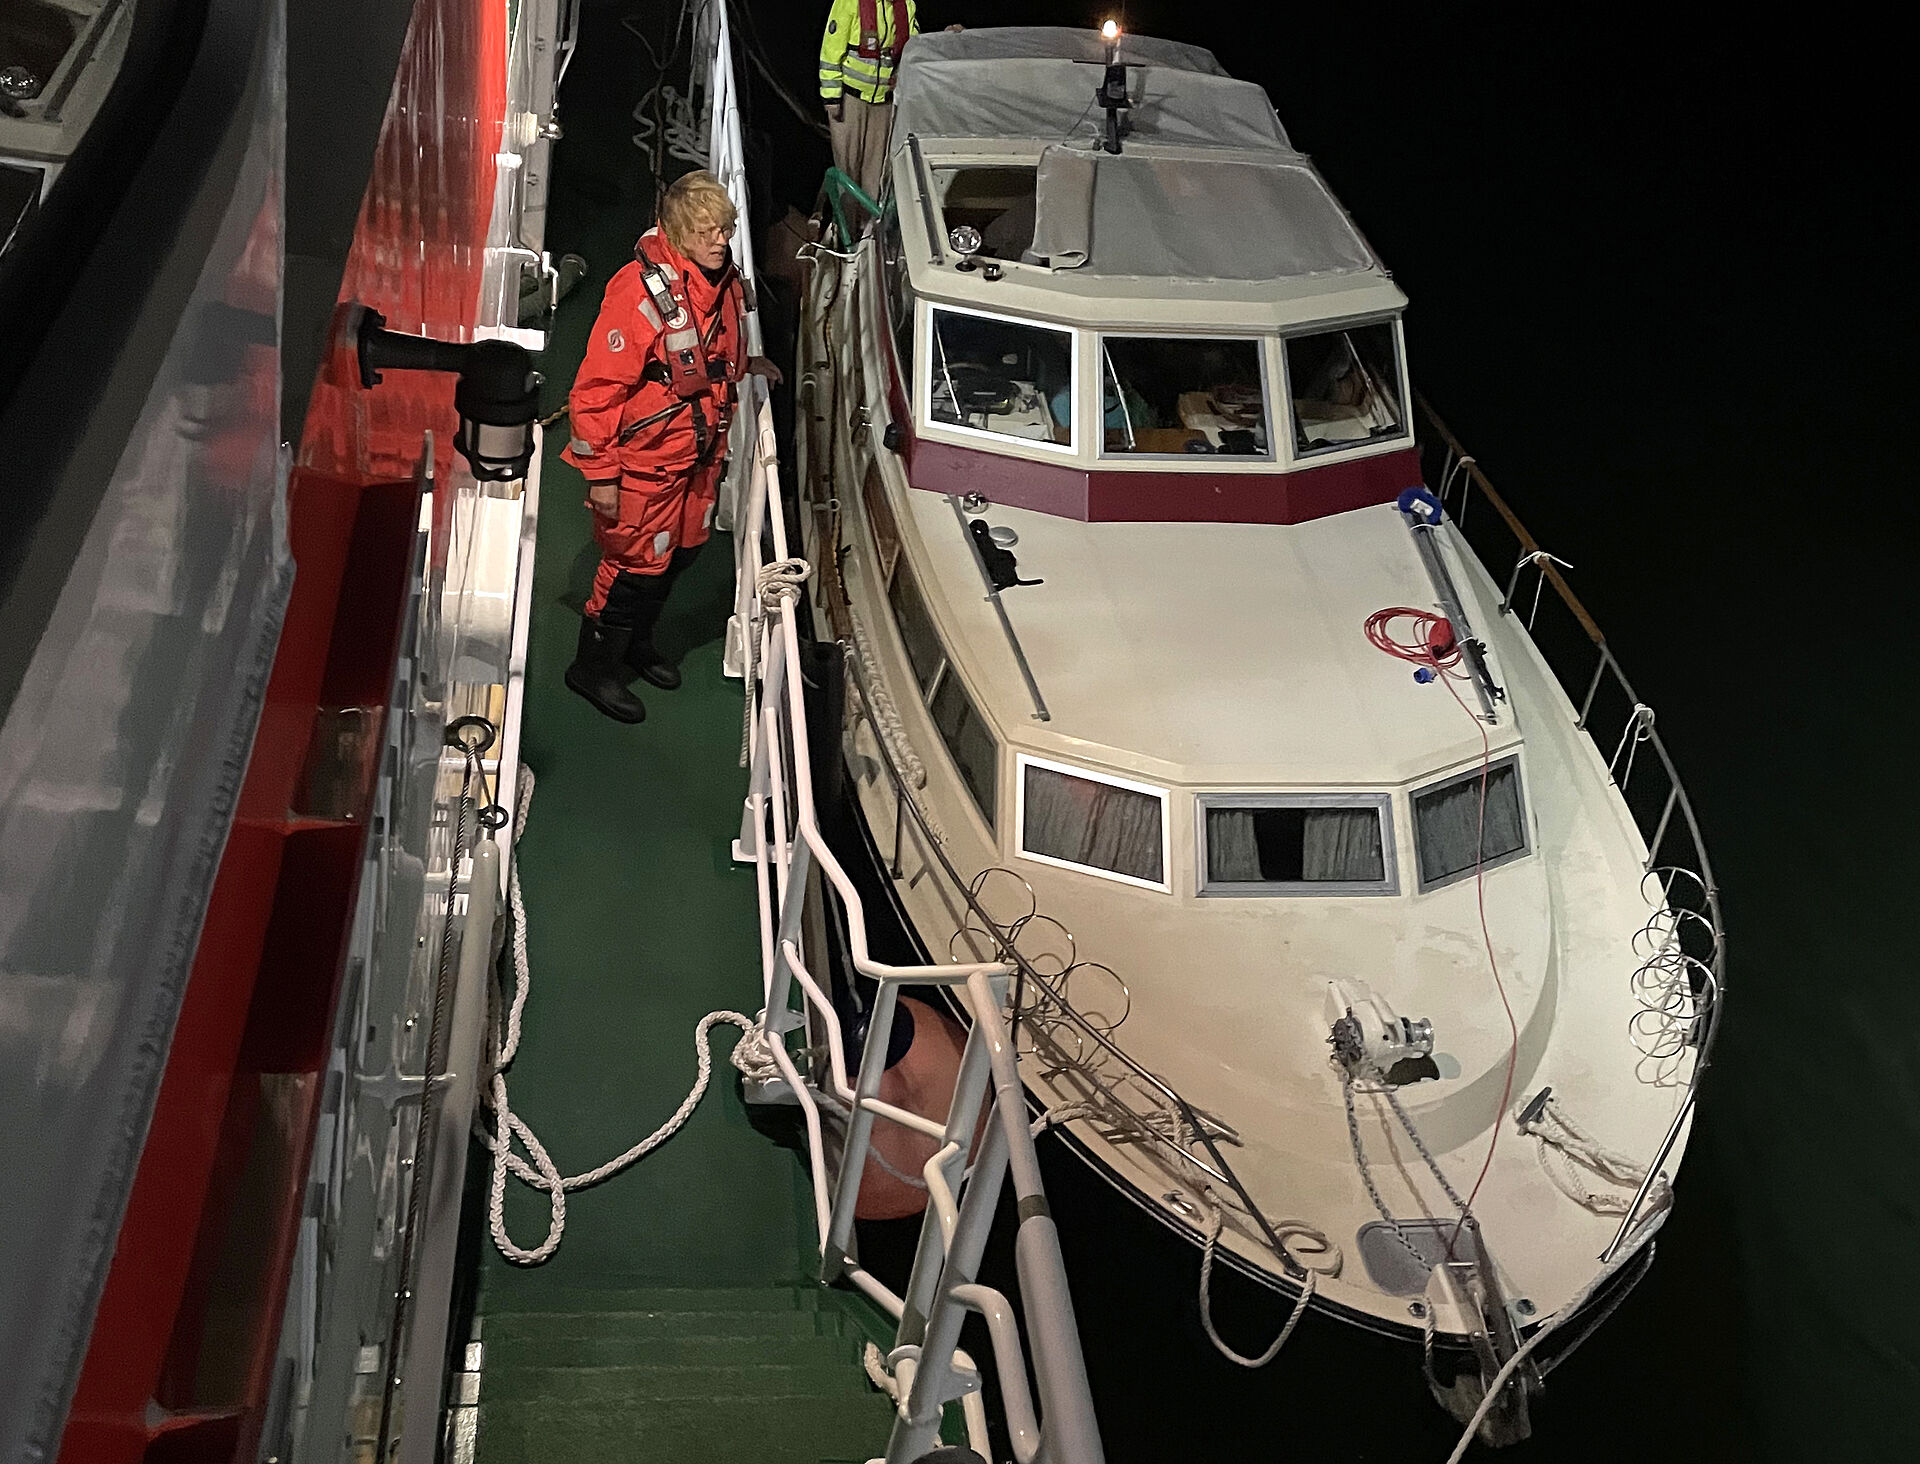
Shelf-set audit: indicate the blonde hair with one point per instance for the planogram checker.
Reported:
(694, 202)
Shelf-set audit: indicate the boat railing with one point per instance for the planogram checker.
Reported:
(1680, 979)
(985, 1139)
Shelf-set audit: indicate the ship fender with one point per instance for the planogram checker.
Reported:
(921, 1081)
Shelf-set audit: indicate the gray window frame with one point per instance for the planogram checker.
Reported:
(1402, 384)
(1471, 775)
(1208, 887)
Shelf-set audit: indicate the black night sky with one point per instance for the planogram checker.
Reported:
(1661, 286)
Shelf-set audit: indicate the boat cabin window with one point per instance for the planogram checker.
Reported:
(1181, 395)
(1453, 835)
(997, 201)
(969, 742)
(924, 652)
(893, 265)
(1009, 378)
(1309, 844)
(1345, 387)
(968, 738)
(881, 522)
(1085, 821)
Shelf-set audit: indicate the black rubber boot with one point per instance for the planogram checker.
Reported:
(596, 672)
(649, 599)
(645, 660)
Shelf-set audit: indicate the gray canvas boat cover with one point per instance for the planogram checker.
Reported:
(1038, 81)
(1207, 186)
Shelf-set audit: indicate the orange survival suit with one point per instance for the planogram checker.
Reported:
(650, 408)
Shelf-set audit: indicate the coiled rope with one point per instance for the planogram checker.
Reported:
(750, 1056)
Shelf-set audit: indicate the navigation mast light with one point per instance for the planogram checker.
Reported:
(1112, 94)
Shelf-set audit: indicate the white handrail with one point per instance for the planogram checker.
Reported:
(780, 834)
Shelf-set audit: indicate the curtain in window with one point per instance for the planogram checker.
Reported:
(1096, 824)
(1342, 845)
(1448, 824)
(1233, 855)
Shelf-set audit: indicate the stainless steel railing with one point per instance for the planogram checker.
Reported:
(1682, 978)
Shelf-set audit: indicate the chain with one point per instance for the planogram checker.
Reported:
(1366, 1176)
(1406, 1123)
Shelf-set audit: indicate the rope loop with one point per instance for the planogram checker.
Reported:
(1216, 1218)
(752, 1057)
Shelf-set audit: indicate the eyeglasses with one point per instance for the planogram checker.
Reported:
(722, 232)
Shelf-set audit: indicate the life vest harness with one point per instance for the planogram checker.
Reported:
(683, 364)
(870, 46)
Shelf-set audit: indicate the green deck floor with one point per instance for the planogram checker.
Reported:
(679, 1320)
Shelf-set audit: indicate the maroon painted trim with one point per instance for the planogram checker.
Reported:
(1251, 498)
(1113, 496)
(1054, 488)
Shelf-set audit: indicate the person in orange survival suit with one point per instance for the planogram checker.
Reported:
(650, 407)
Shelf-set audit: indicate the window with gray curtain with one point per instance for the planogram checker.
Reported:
(1297, 844)
(1094, 824)
(1449, 829)
(969, 740)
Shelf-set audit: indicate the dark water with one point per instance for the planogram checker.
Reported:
(1661, 285)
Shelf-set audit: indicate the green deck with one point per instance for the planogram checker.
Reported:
(680, 1320)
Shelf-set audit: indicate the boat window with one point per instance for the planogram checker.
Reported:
(881, 522)
(969, 741)
(893, 262)
(1183, 394)
(1345, 386)
(1453, 834)
(1103, 825)
(996, 201)
(924, 651)
(1275, 844)
(1011, 378)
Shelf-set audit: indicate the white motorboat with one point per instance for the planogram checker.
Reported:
(1345, 929)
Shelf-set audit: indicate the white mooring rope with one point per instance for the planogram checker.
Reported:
(1327, 1260)
(750, 1056)
(1566, 1149)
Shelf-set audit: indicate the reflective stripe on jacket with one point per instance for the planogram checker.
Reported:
(861, 46)
(628, 419)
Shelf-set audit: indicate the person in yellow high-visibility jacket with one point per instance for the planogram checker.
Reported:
(858, 53)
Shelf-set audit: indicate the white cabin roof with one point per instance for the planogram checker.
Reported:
(1205, 654)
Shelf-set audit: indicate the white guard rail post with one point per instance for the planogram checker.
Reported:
(779, 834)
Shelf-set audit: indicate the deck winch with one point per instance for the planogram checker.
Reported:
(1368, 1037)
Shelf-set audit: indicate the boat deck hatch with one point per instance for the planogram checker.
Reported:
(1388, 1264)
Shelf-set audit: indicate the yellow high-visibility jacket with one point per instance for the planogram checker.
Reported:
(861, 45)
